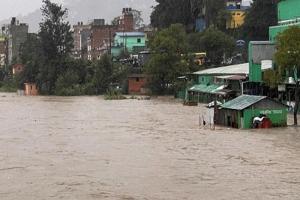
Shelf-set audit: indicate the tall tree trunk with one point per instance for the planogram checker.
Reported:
(297, 98)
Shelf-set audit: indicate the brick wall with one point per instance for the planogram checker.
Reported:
(135, 84)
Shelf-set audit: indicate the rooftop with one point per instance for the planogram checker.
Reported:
(242, 102)
(130, 34)
(240, 69)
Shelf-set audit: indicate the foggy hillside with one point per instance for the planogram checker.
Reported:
(85, 10)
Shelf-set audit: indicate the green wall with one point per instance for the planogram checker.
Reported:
(277, 116)
(205, 80)
(255, 72)
(288, 9)
(275, 30)
(130, 41)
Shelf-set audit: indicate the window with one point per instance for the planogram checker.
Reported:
(137, 79)
(139, 40)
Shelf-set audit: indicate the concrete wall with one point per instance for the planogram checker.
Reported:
(17, 36)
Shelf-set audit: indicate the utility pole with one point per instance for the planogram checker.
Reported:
(109, 29)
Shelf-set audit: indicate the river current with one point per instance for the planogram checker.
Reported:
(86, 148)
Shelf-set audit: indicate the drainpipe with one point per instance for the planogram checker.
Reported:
(242, 87)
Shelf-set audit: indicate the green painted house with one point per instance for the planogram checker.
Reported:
(132, 42)
(288, 15)
(240, 112)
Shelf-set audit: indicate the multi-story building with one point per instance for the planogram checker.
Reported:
(17, 34)
(126, 21)
(3, 51)
(237, 14)
(81, 36)
(102, 35)
(132, 42)
(100, 40)
(288, 15)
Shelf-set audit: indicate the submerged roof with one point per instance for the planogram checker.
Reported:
(242, 102)
(240, 69)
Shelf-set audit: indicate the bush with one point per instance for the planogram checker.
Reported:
(8, 86)
(67, 85)
(114, 94)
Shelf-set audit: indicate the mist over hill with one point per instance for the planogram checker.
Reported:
(85, 10)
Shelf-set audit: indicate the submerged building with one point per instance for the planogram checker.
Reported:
(242, 111)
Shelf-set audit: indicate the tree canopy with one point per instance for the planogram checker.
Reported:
(262, 15)
(217, 45)
(185, 12)
(288, 58)
(48, 61)
(57, 43)
(165, 63)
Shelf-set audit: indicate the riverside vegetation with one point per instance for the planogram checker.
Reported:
(48, 61)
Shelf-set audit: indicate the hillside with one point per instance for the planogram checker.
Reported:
(85, 10)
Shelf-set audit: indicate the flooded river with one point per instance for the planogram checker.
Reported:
(86, 148)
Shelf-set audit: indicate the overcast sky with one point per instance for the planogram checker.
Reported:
(11, 8)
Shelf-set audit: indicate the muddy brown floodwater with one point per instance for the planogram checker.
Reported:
(86, 148)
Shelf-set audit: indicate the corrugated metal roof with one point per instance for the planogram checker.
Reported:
(240, 69)
(130, 34)
(206, 88)
(198, 88)
(232, 77)
(242, 102)
(262, 42)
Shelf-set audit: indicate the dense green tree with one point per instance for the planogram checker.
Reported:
(165, 63)
(185, 12)
(288, 59)
(217, 45)
(68, 84)
(103, 74)
(33, 59)
(216, 13)
(57, 42)
(168, 12)
(262, 15)
(195, 42)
